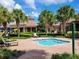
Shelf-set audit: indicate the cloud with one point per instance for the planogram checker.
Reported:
(35, 14)
(77, 10)
(49, 2)
(30, 3)
(9, 4)
(70, 0)
(17, 6)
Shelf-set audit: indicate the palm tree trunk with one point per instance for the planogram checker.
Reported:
(46, 25)
(17, 24)
(5, 27)
(24, 29)
(46, 29)
(63, 27)
(51, 28)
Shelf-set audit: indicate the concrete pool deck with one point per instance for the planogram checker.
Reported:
(35, 51)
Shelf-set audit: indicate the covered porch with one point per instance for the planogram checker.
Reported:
(69, 26)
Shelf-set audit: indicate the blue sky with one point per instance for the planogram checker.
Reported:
(34, 7)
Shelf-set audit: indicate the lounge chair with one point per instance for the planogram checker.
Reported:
(35, 35)
(9, 43)
(55, 32)
(1, 43)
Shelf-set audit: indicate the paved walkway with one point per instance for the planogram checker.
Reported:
(35, 54)
(35, 51)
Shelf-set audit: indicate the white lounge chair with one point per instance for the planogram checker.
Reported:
(8, 43)
(35, 35)
(55, 32)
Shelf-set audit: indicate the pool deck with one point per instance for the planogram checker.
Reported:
(36, 51)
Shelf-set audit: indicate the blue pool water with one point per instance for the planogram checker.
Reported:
(50, 42)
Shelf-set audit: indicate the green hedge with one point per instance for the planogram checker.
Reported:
(44, 34)
(64, 56)
(69, 34)
(22, 34)
(40, 34)
(26, 34)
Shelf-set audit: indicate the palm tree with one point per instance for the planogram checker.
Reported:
(64, 14)
(24, 20)
(46, 17)
(19, 16)
(76, 17)
(52, 21)
(5, 17)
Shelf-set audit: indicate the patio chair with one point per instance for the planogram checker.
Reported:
(1, 43)
(35, 35)
(55, 32)
(9, 43)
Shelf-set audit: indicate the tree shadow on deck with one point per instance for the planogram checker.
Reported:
(34, 54)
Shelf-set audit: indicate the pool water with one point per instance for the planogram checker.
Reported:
(50, 42)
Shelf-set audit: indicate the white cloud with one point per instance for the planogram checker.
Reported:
(76, 9)
(9, 4)
(49, 2)
(27, 15)
(35, 14)
(70, 0)
(17, 6)
(30, 3)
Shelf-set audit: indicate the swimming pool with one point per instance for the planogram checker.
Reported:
(50, 42)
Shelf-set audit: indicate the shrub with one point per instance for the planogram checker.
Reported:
(69, 34)
(9, 54)
(22, 34)
(26, 34)
(44, 34)
(64, 56)
(5, 53)
(56, 56)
